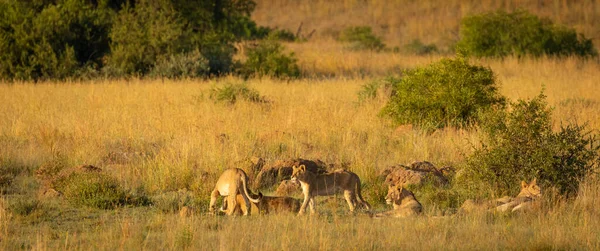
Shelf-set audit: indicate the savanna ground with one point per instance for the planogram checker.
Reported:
(171, 136)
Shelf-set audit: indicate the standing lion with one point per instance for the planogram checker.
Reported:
(232, 182)
(328, 184)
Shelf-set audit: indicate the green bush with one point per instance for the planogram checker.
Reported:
(51, 41)
(231, 93)
(268, 59)
(450, 92)
(142, 34)
(520, 145)
(187, 65)
(92, 189)
(119, 38)
(500, 34)
(361, 38)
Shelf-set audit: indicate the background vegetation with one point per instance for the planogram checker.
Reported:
(161, 143)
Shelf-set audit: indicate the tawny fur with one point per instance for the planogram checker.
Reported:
(328, 184)
(403, 202)
(231, 183)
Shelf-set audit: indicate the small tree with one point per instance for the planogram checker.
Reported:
(520, 145)
(450, 92)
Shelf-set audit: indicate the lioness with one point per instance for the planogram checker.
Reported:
(233, 182)
(328, 184)
(529, 192)
(524, 199)
(403, 202)
(268, 204)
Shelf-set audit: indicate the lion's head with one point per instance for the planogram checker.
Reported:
(396, 194)
(531, 190)
(299, 173)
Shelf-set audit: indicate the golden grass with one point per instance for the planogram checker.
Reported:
(401, 21)
(167, 134)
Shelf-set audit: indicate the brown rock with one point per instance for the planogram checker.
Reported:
(416, 173)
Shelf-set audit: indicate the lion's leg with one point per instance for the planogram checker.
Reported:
(313, 205)
(231, 204)
(213, 200)
(304, 204)
(349, 196)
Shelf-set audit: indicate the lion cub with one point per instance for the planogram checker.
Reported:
(403, 201)
(328, 184)
(268, 204)
(233, 182)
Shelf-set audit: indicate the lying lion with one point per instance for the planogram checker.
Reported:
(268, 204)
(328, 184)
(403, 202)
(523, 201)
(233, 182)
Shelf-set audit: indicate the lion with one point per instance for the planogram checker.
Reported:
(231, 183)
(529, 192)
(328, 184)
(268, 204)
(524, 200)
(403, 202)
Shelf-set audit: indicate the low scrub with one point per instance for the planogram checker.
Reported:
(94, 189)
(521, 145)
(185, 65)
(268, 58)
(361, 38)
(450, 92)
(231, 93)
(519, 33)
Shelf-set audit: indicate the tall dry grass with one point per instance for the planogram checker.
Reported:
(401, 21)
(159, 136)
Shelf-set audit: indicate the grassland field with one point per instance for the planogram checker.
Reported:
(174, 139)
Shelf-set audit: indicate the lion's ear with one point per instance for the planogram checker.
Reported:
(523, 184)
(294, 167)
(533, 182)
(302, 167)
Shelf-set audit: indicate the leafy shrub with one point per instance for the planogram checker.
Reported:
(450, 92)
(142, 34)
(419, 48)
(520, 145)
(499, 34)
(43, 40)
(92, 189)
(231, 93)
(361, 38)
(268, 59)
(191, 65)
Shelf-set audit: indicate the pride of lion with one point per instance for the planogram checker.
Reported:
(233, 184)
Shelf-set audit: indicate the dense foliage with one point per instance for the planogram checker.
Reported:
(520, 145)
(500, 34)
(78, 38)
(450, 92)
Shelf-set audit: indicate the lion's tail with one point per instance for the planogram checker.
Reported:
(244, 179)
(359, 194)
